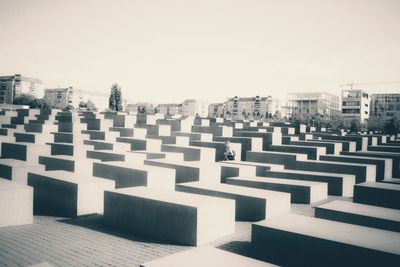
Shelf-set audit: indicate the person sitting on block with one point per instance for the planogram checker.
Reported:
(229, 152)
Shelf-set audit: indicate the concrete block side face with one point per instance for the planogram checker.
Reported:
(293, 249)
(376, 197)
(123, 177)
(215, 221)
(246, 208)
(160, 220)
(5, 171)
(162, 179)
(91, 197)
(53, 197)
(14, 151)
(352, 218)
(17, 206)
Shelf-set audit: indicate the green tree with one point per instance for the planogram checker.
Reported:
(115, 100)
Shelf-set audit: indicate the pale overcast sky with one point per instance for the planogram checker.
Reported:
(170, 50)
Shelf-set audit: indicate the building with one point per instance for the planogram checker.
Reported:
(168, 109)
(251, 107)
(385, 106)
(355, 105)
(216, 109)
(193, 107)
(62, 97)
(14, 86)
(311, 104)
(140, 107)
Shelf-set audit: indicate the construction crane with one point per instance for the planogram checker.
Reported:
(373, 83)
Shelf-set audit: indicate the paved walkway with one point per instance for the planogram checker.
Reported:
(87, 242)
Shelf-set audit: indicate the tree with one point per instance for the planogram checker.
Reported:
(392, 127)
(376, 124)
(91, 106)
(23, 99)
(82, 104)
(31, 101)
(115, 100)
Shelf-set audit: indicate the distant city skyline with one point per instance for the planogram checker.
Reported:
(169, 51)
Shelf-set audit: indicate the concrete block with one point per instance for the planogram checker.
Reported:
(301, 191)
(172, 216)
(60, 193)
(205, 256)
(360, 214)
(16, 206)
(251, 204)
(338, 184)
(192, 153)
(378, 194)
(127, 175)
(294, 240)
(190, 171)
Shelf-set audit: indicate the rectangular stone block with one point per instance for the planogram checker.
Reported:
(251, 204)
(205, 256)
(219, 148)
(24, 151)
(383, 166)
(374, 154)
(192, 153)
(360, 214)
(274, 138)
(16, 203)
(338, 184)
(172, 216)
(295, 240)
(301, 191)
(310, 151)
(127, 174)
(190, 171)
(378, 194)
(60, 193)
(363, 172)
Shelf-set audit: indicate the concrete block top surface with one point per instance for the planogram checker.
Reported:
(206, 256)
(362, 209)
(385, 186)
(71, 177)
(140, 167)
(14, 162)
(375, 239)
(252, 163)
(319, 173)
(237, 190)
(272, 180)
(192, 164)
(341, 163)
(7, 185)
(180, 198)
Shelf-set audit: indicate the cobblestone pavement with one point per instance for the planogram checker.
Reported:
(87, 242)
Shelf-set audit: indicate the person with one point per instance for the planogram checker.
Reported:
(229, 152)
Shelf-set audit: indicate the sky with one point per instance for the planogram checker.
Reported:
(165, 51)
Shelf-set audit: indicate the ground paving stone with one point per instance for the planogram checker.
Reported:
(86, 241)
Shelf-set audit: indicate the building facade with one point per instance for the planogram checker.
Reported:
(193, 107)
(14, 86)
(311, 104)
(63, 97)
(252, 107)
(216, 110)
(355, 105)
(140, 107)
(385, 106)
(168, 109)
